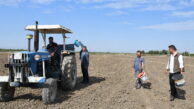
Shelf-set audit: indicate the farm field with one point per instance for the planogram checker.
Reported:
(112, 87)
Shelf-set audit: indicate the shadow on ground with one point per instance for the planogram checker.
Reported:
(147, 85)
(64, 95)
(29, 96)
(61, 94)
(93, 80)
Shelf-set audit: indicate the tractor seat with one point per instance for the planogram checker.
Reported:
(69, 47)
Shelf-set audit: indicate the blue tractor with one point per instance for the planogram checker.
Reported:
(35, 68)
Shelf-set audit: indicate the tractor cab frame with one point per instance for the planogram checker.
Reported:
(50, 29)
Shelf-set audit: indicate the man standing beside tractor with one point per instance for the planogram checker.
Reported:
(138, 68)
(84, 57)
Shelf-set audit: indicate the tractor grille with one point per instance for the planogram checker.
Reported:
(18, 67)
(23, 60)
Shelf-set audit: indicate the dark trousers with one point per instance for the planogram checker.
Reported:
(55, 60)
(172, 85)
(85, 73)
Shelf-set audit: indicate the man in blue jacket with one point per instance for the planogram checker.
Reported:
(138, 67)
(84, 57)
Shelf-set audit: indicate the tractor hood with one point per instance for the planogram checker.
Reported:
(32, 58)
(31, 55)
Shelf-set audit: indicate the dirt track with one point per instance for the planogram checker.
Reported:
(112, 87)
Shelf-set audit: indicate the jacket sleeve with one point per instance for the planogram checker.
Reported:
(143, 60)
(88, 58)
(181, 62)
(168, 65)
(80, 53)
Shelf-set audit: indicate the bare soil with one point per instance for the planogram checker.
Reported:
(112, 87)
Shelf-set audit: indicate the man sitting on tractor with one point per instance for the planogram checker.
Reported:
(52, 49)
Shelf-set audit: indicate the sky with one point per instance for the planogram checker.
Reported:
(103, 25)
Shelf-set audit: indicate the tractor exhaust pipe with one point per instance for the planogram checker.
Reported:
(36, 38)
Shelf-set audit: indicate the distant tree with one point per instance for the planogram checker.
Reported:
(143, 52)
(186, 53)
(157, 52)
(164, 52)
(150, 52)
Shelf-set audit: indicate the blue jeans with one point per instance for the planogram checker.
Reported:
(138, 82)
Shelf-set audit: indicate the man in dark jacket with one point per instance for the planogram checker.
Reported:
(84, 57)
(52, 46)
(52, 49)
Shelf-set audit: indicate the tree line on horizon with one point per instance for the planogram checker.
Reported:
(164, 52)
(150, 52)
(4, 50)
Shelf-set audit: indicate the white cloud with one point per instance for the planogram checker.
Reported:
(67, 8)
(187, 3)
(177, 26)
(43, 1)
(126, 23)
(17, 2)
(164, 7)
(183, 14)
(48, 11)
(88, 1)
(122, 4)
(117, 13)
(10, 2)
(151, 5)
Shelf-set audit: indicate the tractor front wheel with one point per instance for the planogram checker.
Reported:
(49, 91)
(6, 92)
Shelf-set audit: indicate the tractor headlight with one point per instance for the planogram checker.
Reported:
(37, 57)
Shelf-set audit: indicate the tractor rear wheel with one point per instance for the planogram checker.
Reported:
(49, 91)
(69, 73)
(6, 92)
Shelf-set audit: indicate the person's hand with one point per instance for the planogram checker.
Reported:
(133, 70)
(167, 72)
(53, 54)
(183, 72)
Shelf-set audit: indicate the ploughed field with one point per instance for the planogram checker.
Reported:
(112, 87)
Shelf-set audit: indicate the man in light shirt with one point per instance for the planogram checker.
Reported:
(175, 66)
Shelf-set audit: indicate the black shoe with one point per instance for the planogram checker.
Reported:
(172, 98)
(138, 86)
(87, 82)
(84, 82)
(177, 96)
